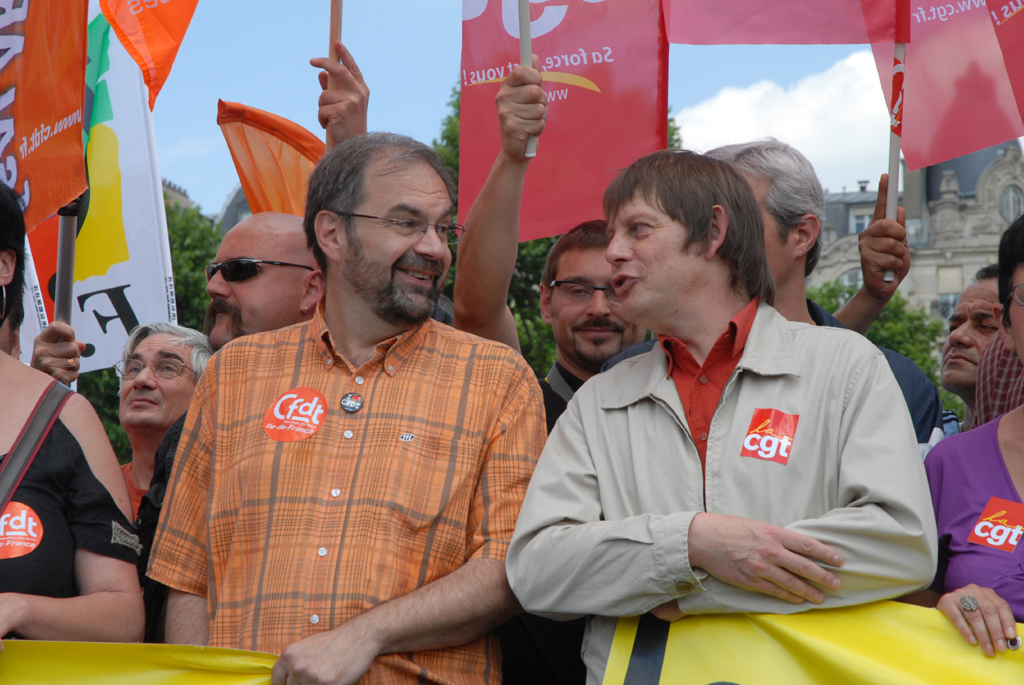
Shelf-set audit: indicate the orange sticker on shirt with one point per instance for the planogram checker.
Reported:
(295, 415)
(770, 436)
(21, 531)
(1001, 525)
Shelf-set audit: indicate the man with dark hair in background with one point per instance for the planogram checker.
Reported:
(721, 471)
(973, 326)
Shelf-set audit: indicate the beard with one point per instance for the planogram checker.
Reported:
(219, 305)
(397, 305)
(591, 356)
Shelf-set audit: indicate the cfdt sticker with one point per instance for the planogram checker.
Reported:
(21, 531)
(770, 436)
(1000, 526)
(295, 415)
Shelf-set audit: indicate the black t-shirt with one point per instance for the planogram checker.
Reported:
(535, 649)
(59, 507)
(555, 404)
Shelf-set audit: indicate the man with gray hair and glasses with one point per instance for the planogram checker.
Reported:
(159, 368)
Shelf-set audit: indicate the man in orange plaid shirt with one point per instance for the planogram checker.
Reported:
(345, 489)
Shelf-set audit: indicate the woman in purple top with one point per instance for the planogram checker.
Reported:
(976, 481)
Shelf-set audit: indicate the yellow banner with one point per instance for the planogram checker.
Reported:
(101, 663)
(885, 642)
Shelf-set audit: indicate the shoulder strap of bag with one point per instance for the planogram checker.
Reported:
(559, 384)
(28, 442)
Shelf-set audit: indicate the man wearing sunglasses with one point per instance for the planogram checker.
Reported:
(350, 485)
(263, 278)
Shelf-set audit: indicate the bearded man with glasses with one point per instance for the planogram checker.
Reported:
(345, 489)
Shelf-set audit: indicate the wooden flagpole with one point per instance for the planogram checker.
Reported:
(335, 36)
(525, 58)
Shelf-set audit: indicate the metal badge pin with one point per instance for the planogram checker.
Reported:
(352, 402)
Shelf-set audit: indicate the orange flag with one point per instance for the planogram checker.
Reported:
(42, 96)
(151, 31)
(274, 157)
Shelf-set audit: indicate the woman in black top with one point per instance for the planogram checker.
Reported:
(67, 549)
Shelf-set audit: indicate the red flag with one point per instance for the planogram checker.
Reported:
(151, 31)
(786, 22)
(42, 95)
(605, 69)
(1008, 20)
(957, 96)
(274, 157)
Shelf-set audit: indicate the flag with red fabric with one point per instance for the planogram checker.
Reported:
(786, 22)
(1008, 21)
(274, 157)
(605, 69)
(957, 96)
(151, 31)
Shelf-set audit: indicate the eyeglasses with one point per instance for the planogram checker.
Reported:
(579, 293)
(408, 226)
(243, 268)
(162, 368)
(1016, 297)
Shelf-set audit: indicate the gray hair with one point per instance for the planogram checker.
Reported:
(196, 342)
(338, 184)
(793, 186)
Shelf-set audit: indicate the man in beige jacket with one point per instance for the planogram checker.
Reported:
(747, 463)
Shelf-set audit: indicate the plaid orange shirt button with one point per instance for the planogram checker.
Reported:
(428, 475)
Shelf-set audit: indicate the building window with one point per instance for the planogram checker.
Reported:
(860, 219)
(947, 304)
(852, 277)
(1011, 203)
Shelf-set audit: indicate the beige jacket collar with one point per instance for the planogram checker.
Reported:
(769, 352)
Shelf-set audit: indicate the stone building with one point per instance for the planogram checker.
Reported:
(956, 213)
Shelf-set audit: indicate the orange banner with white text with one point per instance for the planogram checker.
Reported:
(42, 97)
(151, 31)
(274, 157)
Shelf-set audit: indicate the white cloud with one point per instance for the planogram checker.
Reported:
(838, 118)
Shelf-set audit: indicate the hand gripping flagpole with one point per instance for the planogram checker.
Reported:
(67, 233)
(895, 135)
(526, 59)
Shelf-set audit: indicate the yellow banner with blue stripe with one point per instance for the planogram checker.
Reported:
(885, 642)
(101, 663)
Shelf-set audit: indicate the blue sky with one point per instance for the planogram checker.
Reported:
(823, 99)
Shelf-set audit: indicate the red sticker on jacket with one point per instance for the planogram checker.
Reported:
(295, 415)
(1000, 526)
(21, 531)
(770, 436)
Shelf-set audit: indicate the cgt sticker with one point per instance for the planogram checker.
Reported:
(770, 436)
(1000, 526)
(21, 531)
(295, 415)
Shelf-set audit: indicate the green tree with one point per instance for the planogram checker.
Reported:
(911, 332)
(194, 243)
(675, 137)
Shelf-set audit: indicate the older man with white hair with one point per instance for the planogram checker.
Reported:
(159, 368)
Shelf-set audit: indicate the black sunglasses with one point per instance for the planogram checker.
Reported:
(243, 268)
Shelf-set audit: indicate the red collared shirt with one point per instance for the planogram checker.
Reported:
(700, 386)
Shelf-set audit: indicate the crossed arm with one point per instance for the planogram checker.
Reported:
(451, 611)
